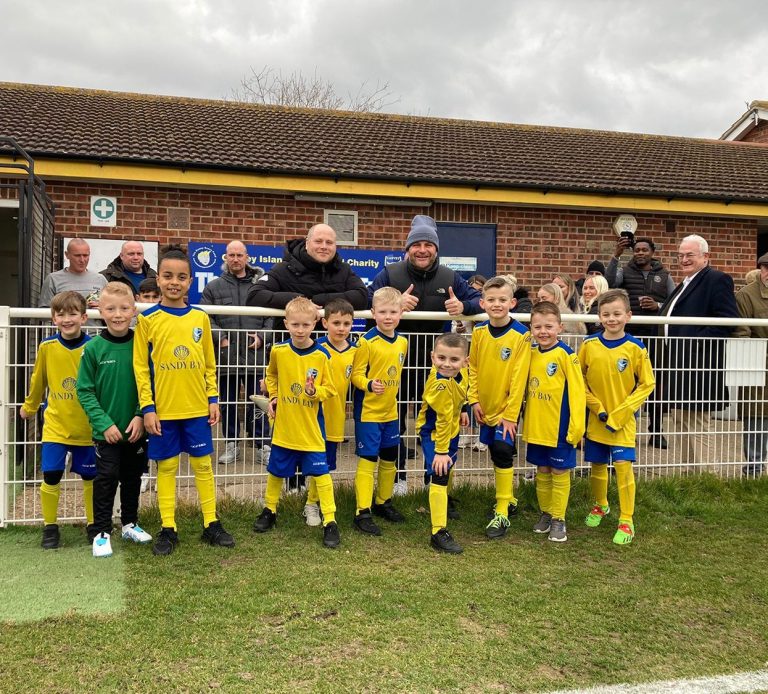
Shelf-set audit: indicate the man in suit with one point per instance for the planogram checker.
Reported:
(695, 381)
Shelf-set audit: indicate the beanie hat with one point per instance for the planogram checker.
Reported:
(423, 228)
(596, 266)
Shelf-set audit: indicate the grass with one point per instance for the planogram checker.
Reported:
(281, 613)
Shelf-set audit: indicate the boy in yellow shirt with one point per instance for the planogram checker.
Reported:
(619, 378)
(338, 317)
(66, 428)
(443, 412)
(554, 418)
(298, 384)
(498, 369)
(376, 371)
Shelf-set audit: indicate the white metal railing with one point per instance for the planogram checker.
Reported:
(714, 443)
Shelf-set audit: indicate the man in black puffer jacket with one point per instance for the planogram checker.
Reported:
(311, 268)
(242, 347)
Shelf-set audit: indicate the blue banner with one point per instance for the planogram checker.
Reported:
(208, 260)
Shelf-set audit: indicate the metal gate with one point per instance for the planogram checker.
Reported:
(36, 220)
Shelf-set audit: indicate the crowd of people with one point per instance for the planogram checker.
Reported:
(123, 397)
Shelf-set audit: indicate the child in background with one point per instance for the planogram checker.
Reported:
(299, 382)
(441, 415)
(106, 388)
(554, 418)
(175, 368)
(619, 378)
(65, 425)
(149, 293)
(498, 368)
(376, 374)
(338, 317)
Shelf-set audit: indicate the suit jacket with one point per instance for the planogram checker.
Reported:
(695, 361)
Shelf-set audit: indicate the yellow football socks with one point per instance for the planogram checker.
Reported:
(88, 501)
(166, 491)
(504, 480)
(386, 481)
(206, 486)
(364, 483)
(325, 495)
(625, 479)
(312, 497)
(438, 506)
(561, 489)
(272, 492)
(49, 500)
(598, 483)
(544, 491)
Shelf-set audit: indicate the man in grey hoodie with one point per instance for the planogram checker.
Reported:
(241, 352)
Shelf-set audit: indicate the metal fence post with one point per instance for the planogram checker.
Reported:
(5, 400)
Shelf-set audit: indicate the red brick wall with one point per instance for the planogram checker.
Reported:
(533, 243)
(758, 134)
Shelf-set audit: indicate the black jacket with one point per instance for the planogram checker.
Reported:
(298, 274)
(115, 272)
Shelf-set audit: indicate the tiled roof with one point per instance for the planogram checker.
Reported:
(111, 126)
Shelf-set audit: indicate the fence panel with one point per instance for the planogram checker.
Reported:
(710, 441)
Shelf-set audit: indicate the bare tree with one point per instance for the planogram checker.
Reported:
(271, 86)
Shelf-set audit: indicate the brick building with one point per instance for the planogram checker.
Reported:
(195, 170)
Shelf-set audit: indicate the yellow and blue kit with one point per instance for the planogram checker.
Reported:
(438, 419)
(335, 408)
(377, 357)
(65, 425)
(174, 362)
(498, 370)
(556, 400)
(618, 377)
(299, 418)
(56, 366)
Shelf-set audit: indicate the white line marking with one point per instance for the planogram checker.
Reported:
(756, 681)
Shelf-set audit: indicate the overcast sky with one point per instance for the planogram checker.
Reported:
(670, 67)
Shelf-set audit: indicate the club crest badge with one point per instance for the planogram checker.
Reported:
(551, 368)
(622, 364)
(401, 357)
(348, 371)
(506, 353)
(197, 333)
(311, 373)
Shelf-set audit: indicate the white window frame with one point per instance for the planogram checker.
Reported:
(339, 241)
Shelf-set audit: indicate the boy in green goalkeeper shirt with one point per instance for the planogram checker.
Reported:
(619, 378)
(107, 391)
(443, 411)
(65, 426)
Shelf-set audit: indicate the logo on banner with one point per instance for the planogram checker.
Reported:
(204, 257)
(392, 259)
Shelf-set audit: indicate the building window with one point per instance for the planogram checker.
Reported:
(344, 223)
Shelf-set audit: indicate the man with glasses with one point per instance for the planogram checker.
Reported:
(694, 354)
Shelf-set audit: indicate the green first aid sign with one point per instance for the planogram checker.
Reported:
(103, 211)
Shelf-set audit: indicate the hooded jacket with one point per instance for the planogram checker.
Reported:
(299, 274)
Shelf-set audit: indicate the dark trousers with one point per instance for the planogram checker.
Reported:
(257, 425)
(654, 408)
(123, 464)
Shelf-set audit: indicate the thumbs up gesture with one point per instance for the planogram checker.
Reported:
(408, 301)
(453, 305)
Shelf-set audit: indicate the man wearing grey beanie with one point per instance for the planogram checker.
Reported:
(426, 286)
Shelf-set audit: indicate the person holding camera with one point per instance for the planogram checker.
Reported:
(648, 284)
